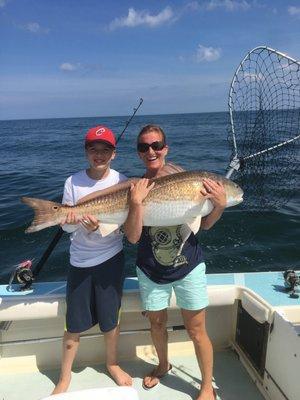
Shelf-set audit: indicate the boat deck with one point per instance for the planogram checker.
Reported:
(230, 379)
(42, 311)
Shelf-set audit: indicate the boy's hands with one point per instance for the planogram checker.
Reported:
(139, 191)
(70, 219)
(89, 222)
(215, 192)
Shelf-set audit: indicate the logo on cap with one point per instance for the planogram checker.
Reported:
(100, 131)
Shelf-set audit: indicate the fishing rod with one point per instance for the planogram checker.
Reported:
(135, 110)
(24, 272)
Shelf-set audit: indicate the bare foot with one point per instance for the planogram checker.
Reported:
(153, 378)
(62, 386)
(119, 376)
(207, 394)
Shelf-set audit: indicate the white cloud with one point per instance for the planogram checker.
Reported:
(34, 27)
(136, 18)
(3, 3)
(229, 5)
(83, 69)
(294, 11)
(252, 77)
(288, 67)
(192, 5)
(68, 67)
(207, 53)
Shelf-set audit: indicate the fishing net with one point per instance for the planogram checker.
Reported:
(264, 106)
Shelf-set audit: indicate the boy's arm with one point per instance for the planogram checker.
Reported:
(214, 191)
(133, 225)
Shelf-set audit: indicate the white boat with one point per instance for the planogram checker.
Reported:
(253, 322)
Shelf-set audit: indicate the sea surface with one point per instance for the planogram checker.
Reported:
(36, 156)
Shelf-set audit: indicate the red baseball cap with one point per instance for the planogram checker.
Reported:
(101, 133)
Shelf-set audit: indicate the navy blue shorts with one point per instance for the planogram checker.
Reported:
(94, 295)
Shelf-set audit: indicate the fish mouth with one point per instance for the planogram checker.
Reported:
(233, 201)
(240, 199)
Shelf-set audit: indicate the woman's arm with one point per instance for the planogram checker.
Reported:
(134, 223)
(214, 191)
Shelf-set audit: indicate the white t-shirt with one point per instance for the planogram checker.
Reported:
(90, 248)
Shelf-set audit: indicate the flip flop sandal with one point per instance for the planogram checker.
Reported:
(159, 377)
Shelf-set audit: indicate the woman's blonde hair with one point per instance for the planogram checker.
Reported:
(152, 128)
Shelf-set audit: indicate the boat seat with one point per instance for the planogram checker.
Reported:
(258, 310)
(222, 295)
(110, 393)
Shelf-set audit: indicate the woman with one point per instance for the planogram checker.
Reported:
(156, 270)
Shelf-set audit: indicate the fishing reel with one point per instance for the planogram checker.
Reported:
(23, 274)
(291, 280)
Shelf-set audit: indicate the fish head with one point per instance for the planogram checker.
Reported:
(234, 193)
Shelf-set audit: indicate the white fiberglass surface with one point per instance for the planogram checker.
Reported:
(231, 380)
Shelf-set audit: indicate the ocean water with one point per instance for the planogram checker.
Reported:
(36, 156)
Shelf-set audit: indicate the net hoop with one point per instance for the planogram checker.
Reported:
(230, 98)
(264, 120)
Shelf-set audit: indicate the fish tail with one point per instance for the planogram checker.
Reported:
(45, 213)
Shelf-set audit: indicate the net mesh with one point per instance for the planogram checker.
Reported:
(264, 106)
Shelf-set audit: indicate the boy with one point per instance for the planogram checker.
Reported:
(96, 274)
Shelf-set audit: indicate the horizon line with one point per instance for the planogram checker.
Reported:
(113, 116)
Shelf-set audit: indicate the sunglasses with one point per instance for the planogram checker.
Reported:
(144, 147)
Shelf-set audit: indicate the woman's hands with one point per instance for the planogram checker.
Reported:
(133, 225)
(139, 191)
(215, 192)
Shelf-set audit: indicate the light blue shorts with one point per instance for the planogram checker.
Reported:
(191, 291)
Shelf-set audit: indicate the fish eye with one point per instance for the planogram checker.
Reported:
(55, 207)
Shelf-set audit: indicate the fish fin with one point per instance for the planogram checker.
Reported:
(109, 190)
(195, 224)
(106, 229)
(192, 226)
(207, 208)
(44, 213)
(169, 169)
(185, 231)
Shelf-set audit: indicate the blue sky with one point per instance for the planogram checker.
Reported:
(97, 57)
